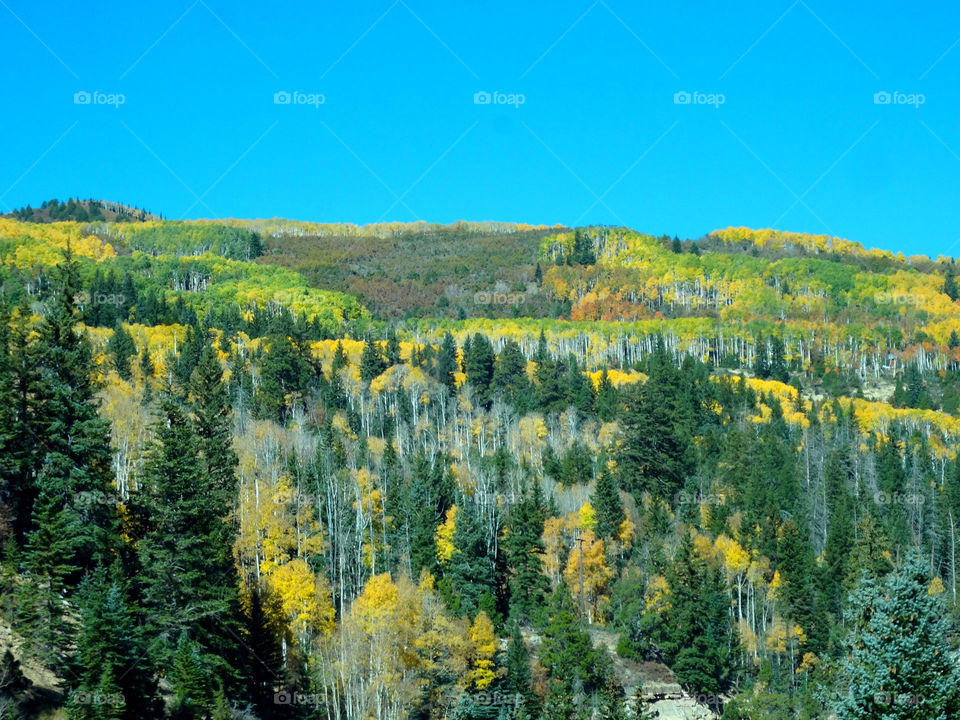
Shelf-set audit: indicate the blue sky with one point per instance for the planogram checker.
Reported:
(782, 128)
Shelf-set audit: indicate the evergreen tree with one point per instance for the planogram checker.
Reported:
(210, 403)
(372, 361)
(761, 361)
(799, 585)
(479, 368)
(471, 570)
(950, 286)
(447, 363)
(607, 399)
(607, 504)
(657, 431)
(519, 679)
(583, 253)
(524, 549)
(510, 377)
(392, 351)
(282, 373)
(75, 441)
(566, 650)
(558, 704)
(612, 706)
(694, 634)
(550, 396)
(188, 583)
(897, 662)
(778, 364)
(109, 659)
(122, 348)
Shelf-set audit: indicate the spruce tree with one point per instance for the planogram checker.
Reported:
(524, 550)
(479, 362)
(519, 679)
(447, 363)
(74, 440)
(109, 660)
(188, 582)
(372, 361)
(471, 570)
(122, 348)
(510, 377)
(897, 662)
(607, 504)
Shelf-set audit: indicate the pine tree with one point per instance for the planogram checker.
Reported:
(897, 662)
(519, 678)
(122, 348)
(392, 351)
(607, 399)
(210, 403)
(510, 377)
(471, 570)
(761, 361)
(612, 706)
(447, 363)
(524, 550)
(657, 431)
(558, 704)
(607, 504)
(778, 365)
(950, 286)
(799, 585)
(109, 658)
(372, 361)
(188, 582)
(479, 366)
(696, 632)
(75, 441)
(566, 650)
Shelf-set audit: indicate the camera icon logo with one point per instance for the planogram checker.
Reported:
(81, 98)
(283, 698)
(481, 98)
(281, 97)
(681, 98)
(881, 98)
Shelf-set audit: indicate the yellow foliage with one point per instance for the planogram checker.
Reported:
(936, 587)
(588, 517)
(444, 536)
(596, 574)
(377, 602)
(484, 645)
(656, 598)
(305, 598)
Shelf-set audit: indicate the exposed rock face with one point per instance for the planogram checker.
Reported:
(659, 685)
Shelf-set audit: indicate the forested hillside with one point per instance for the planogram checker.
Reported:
(272, 469)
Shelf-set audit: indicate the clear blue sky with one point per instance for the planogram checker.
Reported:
(798, 142)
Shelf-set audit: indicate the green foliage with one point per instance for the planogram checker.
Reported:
(896, 660)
